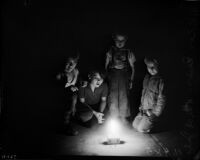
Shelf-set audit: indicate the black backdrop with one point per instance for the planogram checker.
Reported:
(38, 36)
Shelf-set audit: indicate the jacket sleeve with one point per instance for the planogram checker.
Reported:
(161, 100)
(131, 58)
(144, 90)
(108, 59)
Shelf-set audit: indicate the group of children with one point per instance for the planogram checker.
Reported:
(89, 101)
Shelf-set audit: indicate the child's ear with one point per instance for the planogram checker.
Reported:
(77, 57)
(156, 61)
(90, 75)
(145, 60)
(113, 36)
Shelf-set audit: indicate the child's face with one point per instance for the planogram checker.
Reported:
(152, 69)
(97, 80)
(70, 65)
(120, 41)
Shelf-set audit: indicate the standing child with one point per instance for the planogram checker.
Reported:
(152, 100)
(120, 68)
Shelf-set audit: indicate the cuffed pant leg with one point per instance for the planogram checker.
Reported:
(124, 108)
(136, 121)
(145, 124)
(113, 98)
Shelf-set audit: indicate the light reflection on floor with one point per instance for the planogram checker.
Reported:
(91, 142)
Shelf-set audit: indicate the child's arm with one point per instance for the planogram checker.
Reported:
(143, 91)
(104, 98)
(132, 59)
(108, 59)
(161, 100)
(72, 84)
(76, 73)
(75, 77)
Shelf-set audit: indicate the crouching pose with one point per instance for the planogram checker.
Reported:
(70, 78)
(152, 100)
(88, 103)
(92, 99)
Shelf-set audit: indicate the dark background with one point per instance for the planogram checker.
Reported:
(38, 36)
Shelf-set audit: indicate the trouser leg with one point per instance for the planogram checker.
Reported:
(136, 121)
(113, 96)
(123, 91)
(143, 123)
(83, 113)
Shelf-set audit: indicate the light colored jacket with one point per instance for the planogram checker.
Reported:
(153, 97)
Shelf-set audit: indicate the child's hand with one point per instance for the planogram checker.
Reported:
(130, 85)
(74, 88)
(99, 117)
(67, 85)
(149, 113)
(58, 77)
(84, 84)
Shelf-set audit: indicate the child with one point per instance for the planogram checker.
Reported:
(70, 74)
(120, 68)
(152, 100)
(70, 77)
(92, 98)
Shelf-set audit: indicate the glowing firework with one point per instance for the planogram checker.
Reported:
(113, 129)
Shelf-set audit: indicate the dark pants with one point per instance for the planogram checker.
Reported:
(83, 113)
(118, 101)
(71, 100)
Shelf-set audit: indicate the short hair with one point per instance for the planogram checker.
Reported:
(151, 60)
(75, 58)
(92, 74)
(114, 36)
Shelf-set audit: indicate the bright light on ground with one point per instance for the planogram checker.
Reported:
(113, 128)
(133, 143)
(92, 142)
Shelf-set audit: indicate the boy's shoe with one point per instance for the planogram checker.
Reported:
(86, 124)
(70, 131)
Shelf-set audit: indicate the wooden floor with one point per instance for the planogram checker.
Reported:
(91, 142)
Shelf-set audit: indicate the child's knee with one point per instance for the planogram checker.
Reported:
(143, 129)
(141, 124)
(144, 126)
(136, 121)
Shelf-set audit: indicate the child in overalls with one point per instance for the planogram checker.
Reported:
(120, 69)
